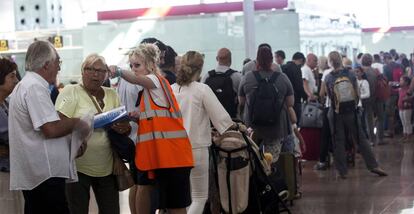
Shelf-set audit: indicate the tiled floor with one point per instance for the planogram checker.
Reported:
(361, 193)
(123, 200)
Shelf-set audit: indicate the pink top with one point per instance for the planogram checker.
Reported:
(404, 104)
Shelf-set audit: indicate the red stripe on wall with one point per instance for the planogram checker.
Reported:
(193, 9)
(392, 29)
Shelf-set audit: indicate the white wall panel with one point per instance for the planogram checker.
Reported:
(6, 16)
(201, 33)
(402, 41)
(37, 14)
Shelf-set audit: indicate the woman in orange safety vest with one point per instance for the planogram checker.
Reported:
(163, 150)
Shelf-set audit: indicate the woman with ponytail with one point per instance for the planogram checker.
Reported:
(199, 105)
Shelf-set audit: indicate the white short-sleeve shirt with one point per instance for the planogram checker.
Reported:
(308, 75)
(363, 90)
(378, 66)
(157, 94)
(33, 158)
(199, 105)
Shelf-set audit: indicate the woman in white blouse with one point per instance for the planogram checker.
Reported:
(198, 105)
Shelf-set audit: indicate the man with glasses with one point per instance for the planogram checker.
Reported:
(40, 159)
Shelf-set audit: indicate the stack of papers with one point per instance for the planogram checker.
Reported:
(109, 117)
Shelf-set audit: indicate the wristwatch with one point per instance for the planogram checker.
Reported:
(118, 71)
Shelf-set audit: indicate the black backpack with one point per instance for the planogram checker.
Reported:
(222, 86)
(264, 105)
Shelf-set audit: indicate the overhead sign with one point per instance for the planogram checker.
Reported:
(57, 41)
(4, 45)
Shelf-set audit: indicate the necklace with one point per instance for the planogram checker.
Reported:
(100, 102)
(98, 97)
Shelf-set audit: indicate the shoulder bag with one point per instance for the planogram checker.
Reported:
(122, 150)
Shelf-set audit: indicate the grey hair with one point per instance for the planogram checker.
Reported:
(38, 54)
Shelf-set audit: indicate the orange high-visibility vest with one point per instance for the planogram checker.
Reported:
(162, 141)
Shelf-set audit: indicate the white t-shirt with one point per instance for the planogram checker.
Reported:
(378, 66)
(325, 73)
(157, 94)
(199, 105)
(308, 75)
(363, 90)
(33, 158)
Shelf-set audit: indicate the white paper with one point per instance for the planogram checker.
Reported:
(79, 135)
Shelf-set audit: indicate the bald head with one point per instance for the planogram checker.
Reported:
(224, 57)
(312, 60)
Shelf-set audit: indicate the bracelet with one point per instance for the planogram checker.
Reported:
(294, 126)
(118, 72)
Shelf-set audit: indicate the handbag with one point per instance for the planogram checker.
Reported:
(122, 174)
(122, 145)
(312, 115)
(123, 150)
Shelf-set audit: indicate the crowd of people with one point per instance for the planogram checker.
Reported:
(51, 156)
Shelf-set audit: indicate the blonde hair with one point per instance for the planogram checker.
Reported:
(323, 63)
(92, 59)
(150, 54)
(191, 66)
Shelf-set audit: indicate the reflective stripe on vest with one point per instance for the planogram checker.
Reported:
(162, 141)
(159, 113)
(163, 135)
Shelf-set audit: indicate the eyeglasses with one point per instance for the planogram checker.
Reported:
(96, 70)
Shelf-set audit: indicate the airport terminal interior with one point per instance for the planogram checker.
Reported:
(206, 106)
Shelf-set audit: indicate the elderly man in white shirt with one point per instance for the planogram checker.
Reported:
(40, 159)
(309, 82)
